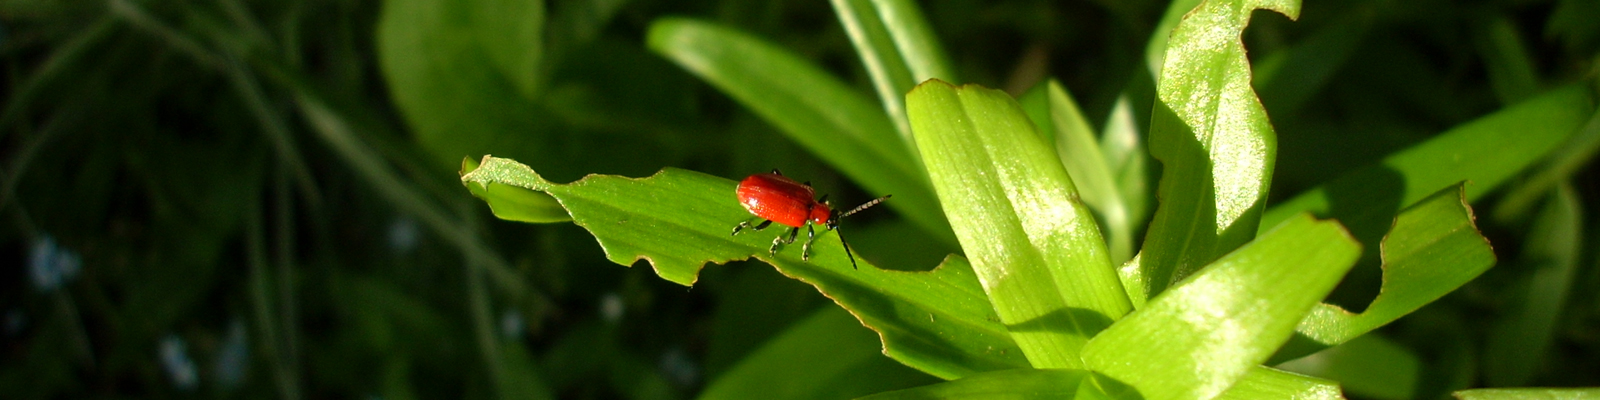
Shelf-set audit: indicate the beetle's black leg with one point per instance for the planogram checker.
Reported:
(811, 236)
(746, 224)
(846, 249)
(781, 240)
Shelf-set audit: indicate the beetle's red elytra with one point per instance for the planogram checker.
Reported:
(773, 197)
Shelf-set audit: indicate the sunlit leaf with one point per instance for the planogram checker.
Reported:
(1269, 383)
(1200, 337)
(677, 219)
(1063, 126)
(513, 203)
(1216, 146)
(1433, 248)
(1033, 244)
(1155, 52)
(937, 321)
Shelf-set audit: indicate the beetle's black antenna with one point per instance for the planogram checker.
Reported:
(864, 206)
(833, 223)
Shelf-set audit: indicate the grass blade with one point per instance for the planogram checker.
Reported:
(1576, 152)
(1485, 152)
(897, 48)
(1523, 336)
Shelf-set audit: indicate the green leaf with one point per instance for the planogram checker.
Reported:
(1216, 147)
(1205, 333)
(914, 39)
(1055, 113)
(1009, 384)
(1034, 246)
(1485, 152)
(677, 219)
(1506, 60)
(838, 357)
(512, 35)
(897, 48)
(1369, 366)
(891, 77)
(1155, 52)
(463, 73)
(960, 336)
(937, 321)
(1560, 166)
(513, 203)
(1432, 249)
(1122, 145)
(1529, 394)
(813, 108)
(1522, 337)
(1268, 383)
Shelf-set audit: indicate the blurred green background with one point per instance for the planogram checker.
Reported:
(260, 199)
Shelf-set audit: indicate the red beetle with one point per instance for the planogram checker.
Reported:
(777, 198)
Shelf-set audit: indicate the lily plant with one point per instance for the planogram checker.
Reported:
(1053, 294)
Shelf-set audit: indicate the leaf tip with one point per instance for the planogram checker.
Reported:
(1289, 8)
(932, 83)
(469, 171)
(505, 171)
